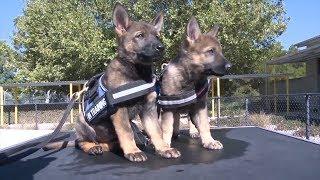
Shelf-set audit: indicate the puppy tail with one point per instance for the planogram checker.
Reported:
(59, 145)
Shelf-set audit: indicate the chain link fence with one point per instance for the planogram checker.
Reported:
(37, 115)
(295, 114)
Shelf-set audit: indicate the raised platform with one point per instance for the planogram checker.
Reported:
(249, 153)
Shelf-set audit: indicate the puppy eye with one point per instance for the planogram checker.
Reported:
(212, 51)
(140, 35)
(158, 36)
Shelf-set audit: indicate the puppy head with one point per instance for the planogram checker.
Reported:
(204, 50)
(138, 40)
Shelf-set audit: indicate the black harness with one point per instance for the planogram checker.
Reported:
(184, 99)
(99, 102)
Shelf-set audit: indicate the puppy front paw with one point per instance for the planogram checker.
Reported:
(136, 156)
(95, 150)
(169, 153)
(194, 135)
(213, 145)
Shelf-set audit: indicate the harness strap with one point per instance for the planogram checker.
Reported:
(25, 152)
(186, 98)
(103, 102)
(130, 91)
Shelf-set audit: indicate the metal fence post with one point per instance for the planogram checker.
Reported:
(287, 94)
(275, 103)
(247, 110)
(247, 105)
(1, 106)
(36, 109)
(307, 116)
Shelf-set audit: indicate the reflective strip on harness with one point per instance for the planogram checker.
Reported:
(175, 101)
(132, 90)
(101, 102)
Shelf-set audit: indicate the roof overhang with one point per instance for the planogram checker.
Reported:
(309, 42)
(252, 76)
(308, 54)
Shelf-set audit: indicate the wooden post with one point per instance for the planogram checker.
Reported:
(287, 93)
(218, 95)
(15, 106)
(212, 98)
(79, 101)
(1, 106)
(71, 92)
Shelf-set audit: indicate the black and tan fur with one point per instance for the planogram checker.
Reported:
(200, 56)
(138, 47)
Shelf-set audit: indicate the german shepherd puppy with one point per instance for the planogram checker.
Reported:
(138, 47)
(200, 56)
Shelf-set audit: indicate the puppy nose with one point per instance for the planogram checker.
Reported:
(160, 47)
(228, 66)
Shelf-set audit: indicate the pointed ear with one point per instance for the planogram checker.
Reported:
(120, 19)
(214, 31)
(193, 30)
(158, 21)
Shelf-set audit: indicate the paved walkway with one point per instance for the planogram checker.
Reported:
(11, 137)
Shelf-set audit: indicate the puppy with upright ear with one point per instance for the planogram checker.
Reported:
(214, 31)
(139, 46)
(193, 30)
(120, 19)
(200, 56)
(158, 22)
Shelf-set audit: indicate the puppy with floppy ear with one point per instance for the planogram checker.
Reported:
(200, 56)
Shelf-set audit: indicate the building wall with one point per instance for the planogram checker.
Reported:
(308, 84)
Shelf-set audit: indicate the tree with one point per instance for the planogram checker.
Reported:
(71, 39)
(7, 58)
(60, 41)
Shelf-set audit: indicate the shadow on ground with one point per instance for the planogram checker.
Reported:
(73, 160)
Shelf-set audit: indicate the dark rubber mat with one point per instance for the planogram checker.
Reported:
(249, 153)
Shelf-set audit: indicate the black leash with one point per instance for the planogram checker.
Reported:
(7, 158)
(138, 135)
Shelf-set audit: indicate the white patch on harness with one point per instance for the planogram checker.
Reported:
(133, 90)
(175, 102)
(97, 108)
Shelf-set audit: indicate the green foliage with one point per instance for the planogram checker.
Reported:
(295, 70)
(71, 39)
(247, 90)
(60, 41)
(7, 58)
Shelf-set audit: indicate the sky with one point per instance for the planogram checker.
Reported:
(9, 10)
(304, 20)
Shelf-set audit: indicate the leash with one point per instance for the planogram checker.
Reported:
(138, 135)
(23, 153)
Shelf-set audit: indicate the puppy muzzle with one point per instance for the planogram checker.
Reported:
(217, 70)
(152, 53)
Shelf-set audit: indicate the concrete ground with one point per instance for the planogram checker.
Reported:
(12, 137)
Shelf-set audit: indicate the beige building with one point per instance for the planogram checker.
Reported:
(308, 53)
